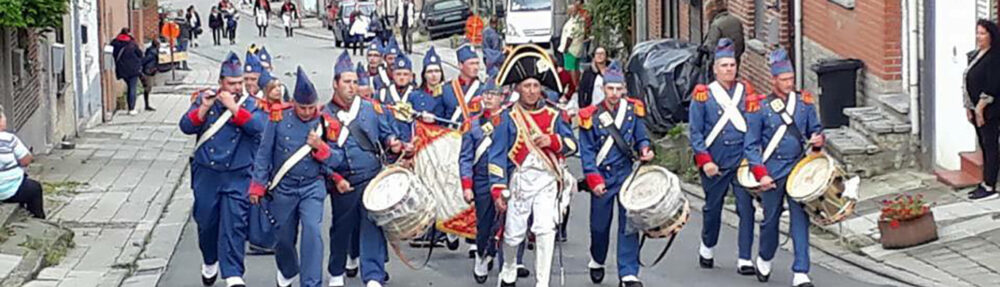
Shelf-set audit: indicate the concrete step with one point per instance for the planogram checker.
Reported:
(897, 105)
(858, 154)
(957, 179)
(972, 163)
(876, 121)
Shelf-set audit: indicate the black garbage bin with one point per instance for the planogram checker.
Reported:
(838, 82)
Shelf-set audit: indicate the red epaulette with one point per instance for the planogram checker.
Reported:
(700, 93)
(640, 107)
(807, 97)
(753, 102)
(748, 88)
(332, 127)
(587, 117)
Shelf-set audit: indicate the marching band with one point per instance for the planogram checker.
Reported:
(264, 163)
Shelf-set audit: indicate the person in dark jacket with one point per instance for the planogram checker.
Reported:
(590, 90)
(194, 19)
(128, 64)
(981, 90)
(724, 25)
(150, 61)
(215, 23)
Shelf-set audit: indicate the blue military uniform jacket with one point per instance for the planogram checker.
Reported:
(280, 140)
(360, 163)
(402, 128)
(453, 97)
(764, 123)
(510, 147)
(705, 111)
(595, 132)
(474, 157)
(233, 146)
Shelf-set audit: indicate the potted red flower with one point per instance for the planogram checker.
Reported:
(906, 221)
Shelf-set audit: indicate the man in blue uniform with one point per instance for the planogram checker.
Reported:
(458, 92)
(365, 87)
(612, 137)
(251, 75)
(375, 69)
(778, 128)
(476, 180)
(364, 135)
(717, 127)
(289, 167)
(529, 145)
(220, 171)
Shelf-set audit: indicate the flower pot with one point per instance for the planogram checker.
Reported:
(908, 233)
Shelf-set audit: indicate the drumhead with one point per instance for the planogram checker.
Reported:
(810, 176)
(650, 186)
(744, 177)
(385, 190)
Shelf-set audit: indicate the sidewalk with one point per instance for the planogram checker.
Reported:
(967, 252)
(125, 214)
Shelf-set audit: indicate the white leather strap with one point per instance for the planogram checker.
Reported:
(730, 110)
(296, 157)
(218, 124)
(787, 114)
(465, 98)
(346, 117)
(618, 122)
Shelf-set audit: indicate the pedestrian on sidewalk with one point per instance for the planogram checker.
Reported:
(222, 120)
(289, 14)
(15, 186)
(194, 19)
(215, 23)
(359, 30)
(724, 25)
(406, 20)
(262, 13)
(232, 19)
(128, 64)
(298, 197)
(150, 67)
(571, 44)
(981, 90)
(795, 113)
(184, 39)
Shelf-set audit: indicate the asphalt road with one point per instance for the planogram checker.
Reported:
(447, 268)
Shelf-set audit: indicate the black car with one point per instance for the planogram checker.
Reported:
(342, 26)
(445, 17)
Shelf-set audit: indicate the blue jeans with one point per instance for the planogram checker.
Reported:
(132, 83)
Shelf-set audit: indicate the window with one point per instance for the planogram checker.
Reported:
(530, 5)
(83, 34)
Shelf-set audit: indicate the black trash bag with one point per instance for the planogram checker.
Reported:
(663, 73)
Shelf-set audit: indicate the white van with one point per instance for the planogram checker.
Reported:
(528, 21)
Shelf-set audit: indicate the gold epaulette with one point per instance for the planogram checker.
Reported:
(700, 93)
(640, 107)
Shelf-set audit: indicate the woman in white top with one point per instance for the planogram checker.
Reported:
(15, 186)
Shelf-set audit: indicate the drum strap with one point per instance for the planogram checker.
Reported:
(613, 128)
(730, 111)
(382, 74)
(296, 157)
(663, 252)
(430, 251)
(485, 144)
(218, 124)
(463, 98)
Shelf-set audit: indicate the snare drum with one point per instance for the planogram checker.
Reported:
(399, 203)
(746, 178)
(654, 202)
(819, 185)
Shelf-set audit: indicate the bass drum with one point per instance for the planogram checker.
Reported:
(436, 163)
(654, 202)
(399, 203)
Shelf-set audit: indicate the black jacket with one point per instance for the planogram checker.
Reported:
(215, 21)
(586, 88)
(982, 78)
(128, 57)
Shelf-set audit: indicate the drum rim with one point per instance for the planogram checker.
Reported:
(386, 172)
(790, 185)
(646, 169)
(744, 177)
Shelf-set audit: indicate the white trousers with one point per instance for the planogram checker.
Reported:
(533, 192)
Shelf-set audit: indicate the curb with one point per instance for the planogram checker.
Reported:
(859, 261)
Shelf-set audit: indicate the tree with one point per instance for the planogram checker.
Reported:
(612, 24)
(32, 13)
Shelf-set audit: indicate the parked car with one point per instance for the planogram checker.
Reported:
(342, 25)
(445, 17)
(529, 21)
